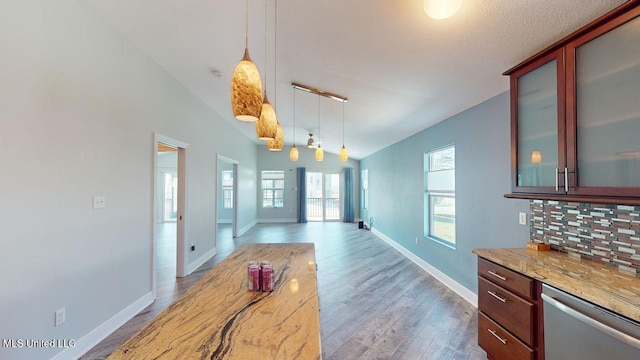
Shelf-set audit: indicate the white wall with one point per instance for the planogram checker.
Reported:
(279, 160)
(78, 109)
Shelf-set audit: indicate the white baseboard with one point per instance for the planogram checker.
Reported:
(246, 228)
(201, 260)
(459, 289)
(100, 333)
(267, 221)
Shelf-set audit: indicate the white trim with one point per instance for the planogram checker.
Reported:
(201, 260)
(93, 338)
(246, 228)
(225, 221)
(267, 221)
(236, 182)
(459, 289)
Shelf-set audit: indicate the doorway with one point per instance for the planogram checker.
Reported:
(323, 196)
(227, 202)
(169, 257)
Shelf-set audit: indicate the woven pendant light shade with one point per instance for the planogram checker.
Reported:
(278, 143)
(343, 154)
(246, 90)
(293, 154)
(319, 153)
(267, 126)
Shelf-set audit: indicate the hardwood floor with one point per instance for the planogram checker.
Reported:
(374, 302)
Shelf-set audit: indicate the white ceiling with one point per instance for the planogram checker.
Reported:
(401, 70)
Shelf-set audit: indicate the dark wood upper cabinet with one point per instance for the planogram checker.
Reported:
(575, 114)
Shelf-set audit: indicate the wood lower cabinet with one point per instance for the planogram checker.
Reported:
(509, 313)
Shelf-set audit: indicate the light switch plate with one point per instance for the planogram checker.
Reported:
(522, 219)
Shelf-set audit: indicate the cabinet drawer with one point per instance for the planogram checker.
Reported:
(514, 313)
(506, 278)
(499, 343)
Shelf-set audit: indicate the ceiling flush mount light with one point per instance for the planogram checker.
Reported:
(441, 9)
(246, 86)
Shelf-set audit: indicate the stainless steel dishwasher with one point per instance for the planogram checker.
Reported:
(577, 329)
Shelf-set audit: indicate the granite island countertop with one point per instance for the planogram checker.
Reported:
(219, 318)
(604, 286)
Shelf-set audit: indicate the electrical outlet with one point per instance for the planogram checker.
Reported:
(193, 247)
(61, 316)
(99, 202)
(522, 219)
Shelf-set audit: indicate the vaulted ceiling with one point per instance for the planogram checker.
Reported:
(401, 70)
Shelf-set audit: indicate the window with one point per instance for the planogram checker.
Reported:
(227, 189)
(440, 195)
(272, 189)
(365, 188)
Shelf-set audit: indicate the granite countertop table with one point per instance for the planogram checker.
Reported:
(218, 318)
(604, 286)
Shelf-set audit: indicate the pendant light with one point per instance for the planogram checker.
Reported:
(278, 143)
(536, 157)
(267, 125)
(293, 154)
(319, 152)
(310, 143)
(343, 152)
(246, 86)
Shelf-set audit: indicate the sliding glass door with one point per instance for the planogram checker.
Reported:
(323, 196)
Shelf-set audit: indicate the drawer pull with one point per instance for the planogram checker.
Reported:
(497, 297)
(494, 333)
(497, 275)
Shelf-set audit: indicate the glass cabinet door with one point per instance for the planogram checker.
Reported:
(539, 124)
(606, 115)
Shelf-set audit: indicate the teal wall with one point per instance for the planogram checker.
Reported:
(484, 218)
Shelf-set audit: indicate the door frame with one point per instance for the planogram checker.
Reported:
(181, 219)
(324, 173)
(234, 211)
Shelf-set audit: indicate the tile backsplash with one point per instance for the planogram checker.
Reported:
(605, 233)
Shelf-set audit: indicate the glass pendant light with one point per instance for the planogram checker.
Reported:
(319, 152)
(293, 154)
(343, 152)
(246, 86)
(267, 125)
(278, 143)
(536, 157)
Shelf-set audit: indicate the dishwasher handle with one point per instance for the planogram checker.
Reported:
(617, 334)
